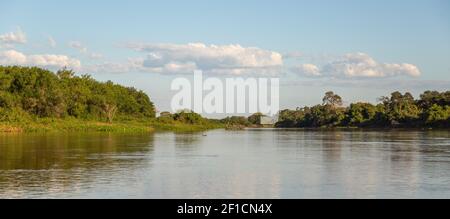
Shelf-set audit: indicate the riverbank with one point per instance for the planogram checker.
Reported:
(77, 125)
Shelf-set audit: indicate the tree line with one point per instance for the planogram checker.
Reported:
(432, 109)
(27, 92)
(186, 116)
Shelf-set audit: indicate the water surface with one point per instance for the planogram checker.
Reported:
(228, 164)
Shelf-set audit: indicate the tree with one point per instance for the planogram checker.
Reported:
(41, 93)
(235, 120)
(429, 98)
(291, 118)
(110, 111)
(437, 114)
(255, 118)
(188, 117)
(332, 99)
(65, 73)
(432, 109)
(360, 114)
(400, 109)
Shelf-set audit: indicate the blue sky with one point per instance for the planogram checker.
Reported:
(388, 45)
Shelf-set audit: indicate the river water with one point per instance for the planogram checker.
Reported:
(259, 163)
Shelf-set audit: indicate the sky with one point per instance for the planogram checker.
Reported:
(360, 49)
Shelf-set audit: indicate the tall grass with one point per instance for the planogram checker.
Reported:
(78, 125)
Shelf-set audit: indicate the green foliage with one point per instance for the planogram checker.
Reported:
(291, 118)
(401, 109)
(326, 115)
(255, 118)
(14, 115)
(184, 121)
(432, 109)
(34, 99)
(360, 114)
(188, 117)
(235, 120)
(429, 98)
(437, 115)
(43, 94)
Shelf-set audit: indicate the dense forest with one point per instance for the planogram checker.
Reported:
(34, 92)
(34, 99)
(432, 109)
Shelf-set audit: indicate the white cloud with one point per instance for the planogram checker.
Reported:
(58, 61)
(137, 65)
(306, 70)
(51, 42)
(213, 59)
(360, 65)
(17, 37)
(12, 57)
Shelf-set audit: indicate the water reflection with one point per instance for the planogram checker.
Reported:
(229, 164)
(57, 164)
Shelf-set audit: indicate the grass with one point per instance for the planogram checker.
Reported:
(183, 127)
(78, 125)
(73, 125)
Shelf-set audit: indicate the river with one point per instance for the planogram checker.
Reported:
(258, 163)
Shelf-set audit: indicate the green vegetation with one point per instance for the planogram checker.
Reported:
(398, 110)
(235, 122)
(184, 121)
(75, 125)
(255, 119)
(38, 92)
(241, 122)
(34, 99)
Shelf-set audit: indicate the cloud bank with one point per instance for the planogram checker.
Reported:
(13, 57)
(307, 70)
(358, 65)
(212, 59)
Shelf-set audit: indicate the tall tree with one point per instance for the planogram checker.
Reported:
(332, 99)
